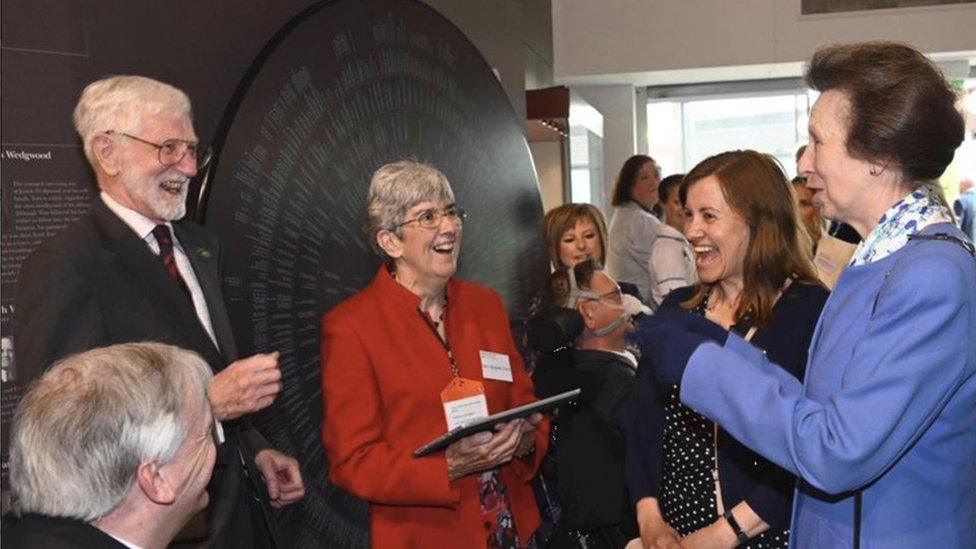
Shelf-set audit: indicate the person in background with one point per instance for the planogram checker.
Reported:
(882, 433)
(755, 280)
(574, 233)
(965, 208)
(132, 269)
(812, 222)
(417, 353)
(111, 448)
(633, 227)
(8, 368)
(799, 154)
(833, 243)
(672, 263)
(588, 437)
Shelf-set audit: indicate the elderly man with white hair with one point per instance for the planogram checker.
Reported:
(112, 447)
(132, 270)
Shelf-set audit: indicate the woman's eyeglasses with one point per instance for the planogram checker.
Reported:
(431, 219)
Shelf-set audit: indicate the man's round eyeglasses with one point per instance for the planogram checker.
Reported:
(431, 219)
(172, 151)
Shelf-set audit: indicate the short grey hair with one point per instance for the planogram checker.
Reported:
(125, 103)
(397, 187)
(84, 427)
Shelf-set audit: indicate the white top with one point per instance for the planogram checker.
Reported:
(128, 544)
(632, 232)
(672, 264)
(628, 356)
(143, 227)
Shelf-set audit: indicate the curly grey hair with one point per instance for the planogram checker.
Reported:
(125, 103)
(397, 187)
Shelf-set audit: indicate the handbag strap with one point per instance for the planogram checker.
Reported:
(946, 237)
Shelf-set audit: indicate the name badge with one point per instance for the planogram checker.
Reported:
(464, 401)
(495, 366)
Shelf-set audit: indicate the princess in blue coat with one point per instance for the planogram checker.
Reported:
(882, 433)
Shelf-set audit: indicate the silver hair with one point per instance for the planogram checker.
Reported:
(397, 187)
(83, 428)
(125, 103)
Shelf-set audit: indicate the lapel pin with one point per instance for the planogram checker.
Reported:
(204, 254)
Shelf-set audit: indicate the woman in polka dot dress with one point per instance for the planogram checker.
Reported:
(691, 483)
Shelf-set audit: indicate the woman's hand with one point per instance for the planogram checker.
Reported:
(484, 450)
(720, 532)
(654, 532)
(660, 536)
(526, 441)
(714, 536)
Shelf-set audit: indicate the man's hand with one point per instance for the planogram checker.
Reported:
(484, 450)
(281, 476)
(246, 386)
(526, 441)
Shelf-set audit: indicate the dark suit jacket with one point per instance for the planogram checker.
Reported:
(31, 531)
(96, 284)
(589, 438)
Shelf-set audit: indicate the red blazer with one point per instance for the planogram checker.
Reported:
(383, 370)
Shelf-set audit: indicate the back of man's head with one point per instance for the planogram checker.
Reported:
(83, 429)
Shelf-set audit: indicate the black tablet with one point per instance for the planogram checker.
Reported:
(488, 423)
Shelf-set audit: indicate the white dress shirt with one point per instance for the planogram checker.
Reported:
(143, 227)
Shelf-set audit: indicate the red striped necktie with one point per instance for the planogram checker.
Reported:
(165, 240)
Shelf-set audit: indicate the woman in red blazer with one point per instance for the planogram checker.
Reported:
(413, 353)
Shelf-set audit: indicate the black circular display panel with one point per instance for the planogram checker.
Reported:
(342, 89)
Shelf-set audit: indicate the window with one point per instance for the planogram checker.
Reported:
(687, 124)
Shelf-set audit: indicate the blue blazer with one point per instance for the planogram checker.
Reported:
(888, 408)
(965, 209)
(745, 475)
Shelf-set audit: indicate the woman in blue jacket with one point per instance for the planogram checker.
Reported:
(882, 433)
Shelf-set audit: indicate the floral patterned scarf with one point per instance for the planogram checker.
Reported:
(908, 216)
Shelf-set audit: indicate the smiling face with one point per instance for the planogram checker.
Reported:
(580, 243)
(644, 189)
(719, 235)
(143, 183)
(425, 257)
(842, 186)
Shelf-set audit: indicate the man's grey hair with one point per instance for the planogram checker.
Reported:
(125, 103)
(397, 187)
(84, 427)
